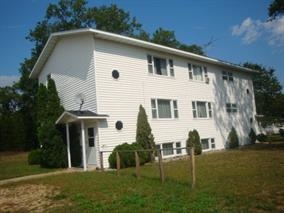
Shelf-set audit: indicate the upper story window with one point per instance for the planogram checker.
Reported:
(163, 108)
(231, 107)
(228, 76)
(197, 72)
(159, 66)
(201, 109)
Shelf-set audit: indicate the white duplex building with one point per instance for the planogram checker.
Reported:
(110, 75)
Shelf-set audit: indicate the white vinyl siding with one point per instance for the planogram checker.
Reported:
(84, 64)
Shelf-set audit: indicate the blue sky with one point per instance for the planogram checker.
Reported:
(237, 27)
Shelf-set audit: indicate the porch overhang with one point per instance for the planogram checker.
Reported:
(76, 115)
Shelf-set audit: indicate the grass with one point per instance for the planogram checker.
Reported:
(16, 165)
(246, 180)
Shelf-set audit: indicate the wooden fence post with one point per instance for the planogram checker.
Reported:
(137, 165)
(102, 161)
(117, 163)
(192, 158)
(161, 168)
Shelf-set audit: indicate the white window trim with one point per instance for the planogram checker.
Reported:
(203, 68)
(167, 66)
(231, 107)
(207, 110)
(172, 109)
(209, 144)
(227, 75)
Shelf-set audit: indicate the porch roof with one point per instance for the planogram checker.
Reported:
(76, 115)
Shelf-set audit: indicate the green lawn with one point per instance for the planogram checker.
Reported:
(246, 180)
(16, 165)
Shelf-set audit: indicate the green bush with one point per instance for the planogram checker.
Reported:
(194, 141)
(34, 157)
(281, 132)
(252, 136)
(127, 159)
(53, 151)
(233, 140)
(261, 137)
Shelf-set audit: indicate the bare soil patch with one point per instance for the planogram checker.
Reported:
(30, 198)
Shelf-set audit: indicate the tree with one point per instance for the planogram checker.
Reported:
(193, 140)
(267, 90)
(144, 136)
(12, 134)
(165, 37)
(276, 8)
(53, 149)
(168, 38)
(233, 139)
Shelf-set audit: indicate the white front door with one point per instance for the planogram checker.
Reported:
(91, 146)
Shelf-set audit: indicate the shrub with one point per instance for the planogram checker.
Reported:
(194, 141)
(261, 137)
(233, 140)
(144, 136)
(53, 151)
(127, 159)
(34, 157)
(252, 136)
(281, 132)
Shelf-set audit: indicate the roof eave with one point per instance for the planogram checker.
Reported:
(50, 44)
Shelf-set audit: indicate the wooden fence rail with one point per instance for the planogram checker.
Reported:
(160, 162)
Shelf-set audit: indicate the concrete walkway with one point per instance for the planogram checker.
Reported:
(30, 177)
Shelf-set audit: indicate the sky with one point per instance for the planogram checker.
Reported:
(238, 29)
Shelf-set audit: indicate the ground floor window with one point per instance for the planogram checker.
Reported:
(168, 149)
(178, 146)
(205, 143)
(208, 143)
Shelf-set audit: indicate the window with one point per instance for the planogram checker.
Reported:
(175, 109)
(178, 146)
(231, 107)
(160, 65)
(228, 76)
(168, 149)
(209, 110)
(201, 109)
(212, 143)
(205, 72)
(194, 109)
(154, 108)
(48, 77)
(197, 73)
(205, 143)
(91, 137)
(171, 63)
(158, 147)
(163, 108)
(150, 63)
(248, 91)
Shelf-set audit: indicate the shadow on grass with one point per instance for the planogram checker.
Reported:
(264, 146)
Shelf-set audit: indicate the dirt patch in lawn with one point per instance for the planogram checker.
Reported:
(30, 198)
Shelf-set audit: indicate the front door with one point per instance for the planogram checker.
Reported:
(91, 146)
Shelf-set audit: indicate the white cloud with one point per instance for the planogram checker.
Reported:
(251, 30)
(8, 80)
